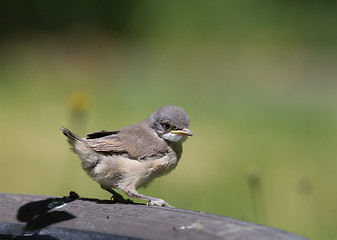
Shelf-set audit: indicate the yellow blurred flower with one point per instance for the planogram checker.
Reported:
(79, 101)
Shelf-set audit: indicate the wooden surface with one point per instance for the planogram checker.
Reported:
(42, 217)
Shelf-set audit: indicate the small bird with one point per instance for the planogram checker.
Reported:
(133, 156)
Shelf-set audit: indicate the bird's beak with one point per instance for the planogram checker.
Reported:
(184, 131)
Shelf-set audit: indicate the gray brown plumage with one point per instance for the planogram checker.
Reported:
(131, 157)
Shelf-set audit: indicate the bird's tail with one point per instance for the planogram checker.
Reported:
(82, 148)
(78, 144)
(72, 137)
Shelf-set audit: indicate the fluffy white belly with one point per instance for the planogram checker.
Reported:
(122, 173)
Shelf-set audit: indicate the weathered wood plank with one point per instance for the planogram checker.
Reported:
(69, 218)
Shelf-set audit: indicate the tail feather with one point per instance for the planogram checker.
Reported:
(82, 148)
(72, 137)
(69, 134)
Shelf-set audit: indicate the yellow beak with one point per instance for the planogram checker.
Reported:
(184, 131)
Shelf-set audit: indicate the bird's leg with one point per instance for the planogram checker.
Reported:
(115, 195)
(150, 200)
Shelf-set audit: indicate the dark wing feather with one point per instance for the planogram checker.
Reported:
(100, 134)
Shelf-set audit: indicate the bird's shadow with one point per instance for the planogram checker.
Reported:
(73, 195)
(40, 214)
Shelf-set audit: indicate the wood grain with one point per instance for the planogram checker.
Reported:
(43, 217)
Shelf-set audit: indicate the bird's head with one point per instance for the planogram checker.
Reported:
(171, 123)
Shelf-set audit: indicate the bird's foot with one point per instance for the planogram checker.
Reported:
(119, 199)
(158, 202)
(116, 197)
(151, 201)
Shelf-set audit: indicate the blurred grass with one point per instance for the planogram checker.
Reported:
(258, 81)
(289, 133)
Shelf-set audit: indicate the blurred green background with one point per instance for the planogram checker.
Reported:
(258, 79)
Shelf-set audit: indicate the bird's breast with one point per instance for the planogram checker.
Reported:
(157, 168)
(122, 173)
(165, 164)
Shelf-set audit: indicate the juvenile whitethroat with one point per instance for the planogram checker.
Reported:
(131, 157)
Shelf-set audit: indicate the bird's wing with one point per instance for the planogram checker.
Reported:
(100, 134)
(134, 141)
(106, 141)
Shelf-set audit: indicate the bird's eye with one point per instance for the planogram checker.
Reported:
(167, 127)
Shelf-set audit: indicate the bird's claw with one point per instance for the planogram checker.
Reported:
(158, 202)
(119, 199)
